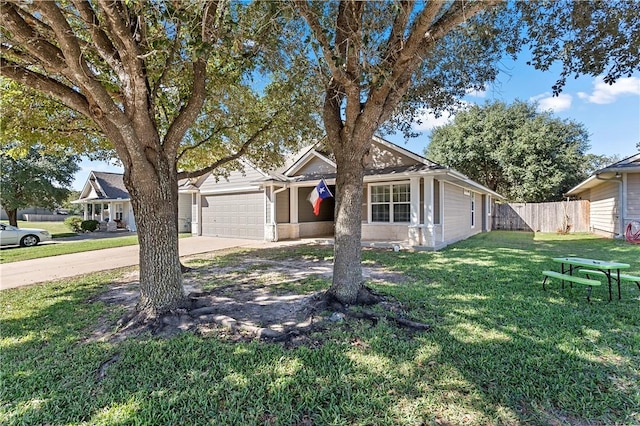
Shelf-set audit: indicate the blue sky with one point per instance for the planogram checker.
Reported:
(611, 114)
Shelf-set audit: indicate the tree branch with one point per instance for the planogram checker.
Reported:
(46, 53)
(239, 153)
(189, 113)
(51, 87)
(100, 39)
(309, 16)
(217, 131)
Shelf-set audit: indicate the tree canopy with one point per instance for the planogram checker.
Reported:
(35, 179)
(178, 88)
(525, 155)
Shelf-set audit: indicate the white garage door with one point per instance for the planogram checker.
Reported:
(233, 215)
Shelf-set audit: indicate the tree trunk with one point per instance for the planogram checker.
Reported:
(13, 216)
(347, 268)
(155, 204)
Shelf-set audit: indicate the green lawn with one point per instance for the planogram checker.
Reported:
(16, 254)
(56, 229)
(502, 351)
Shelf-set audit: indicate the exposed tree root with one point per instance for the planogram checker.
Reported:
(102, 370)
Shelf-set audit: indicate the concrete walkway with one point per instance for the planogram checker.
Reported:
(27, 272)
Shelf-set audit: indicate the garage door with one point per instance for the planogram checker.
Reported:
(233, 215)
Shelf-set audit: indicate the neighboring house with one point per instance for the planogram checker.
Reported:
(407, 200)
(614, 195)
(105, 199)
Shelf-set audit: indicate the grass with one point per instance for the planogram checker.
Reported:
(56, 229)
(502, 351)
(16, 254)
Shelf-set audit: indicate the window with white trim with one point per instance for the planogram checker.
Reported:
(391, 203)
(473, 209)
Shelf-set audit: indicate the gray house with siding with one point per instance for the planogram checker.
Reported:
(407, 200)
(614, 195)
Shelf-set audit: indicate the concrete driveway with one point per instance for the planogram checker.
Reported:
(18, 274)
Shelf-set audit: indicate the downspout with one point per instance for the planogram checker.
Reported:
(621, 203)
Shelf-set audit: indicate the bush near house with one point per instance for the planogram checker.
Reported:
(89, 225)
(74, 223)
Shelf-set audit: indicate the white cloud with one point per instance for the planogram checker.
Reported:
(548, 102)
(604, 93)
(429, 121)
(477, 93)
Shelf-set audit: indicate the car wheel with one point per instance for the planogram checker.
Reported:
(29, 241)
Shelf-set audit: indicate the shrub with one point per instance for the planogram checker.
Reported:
(74, 223)
(89, 225)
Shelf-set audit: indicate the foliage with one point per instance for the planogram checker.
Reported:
(33, 178)
(89, 225)
(74, 223)
(593, 37)
(524, 155)
(502, 350)
(30, 119)
(70, 207)
(179, 89)
(384, 62)
(595, 162)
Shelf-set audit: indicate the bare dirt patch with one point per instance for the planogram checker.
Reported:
(253, 297)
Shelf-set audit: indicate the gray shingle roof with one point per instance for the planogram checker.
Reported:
(110, 186)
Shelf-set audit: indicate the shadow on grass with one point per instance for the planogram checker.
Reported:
(502, 352)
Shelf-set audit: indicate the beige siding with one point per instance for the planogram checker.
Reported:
(381, 157)
(604, 208)
(237, 180)
(457, 214)
(633, 195)
(316, 166)
(282, 207)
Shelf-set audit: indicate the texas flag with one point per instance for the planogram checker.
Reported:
(319, 193)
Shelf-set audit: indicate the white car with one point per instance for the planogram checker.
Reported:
(10, 236)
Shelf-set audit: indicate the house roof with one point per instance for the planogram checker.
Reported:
(629, 164)
(104, 186)
(420, 166)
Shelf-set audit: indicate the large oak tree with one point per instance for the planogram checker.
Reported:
(34, 179)
(515, 150)
(178, 88)
(382, 62)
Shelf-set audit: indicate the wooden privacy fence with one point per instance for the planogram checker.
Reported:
(561, 216)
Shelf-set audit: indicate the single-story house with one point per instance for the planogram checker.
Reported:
(407, 200)
(106, 199)
(614, 195)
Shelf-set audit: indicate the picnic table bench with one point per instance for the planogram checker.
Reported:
(571, 278)
(590, 267)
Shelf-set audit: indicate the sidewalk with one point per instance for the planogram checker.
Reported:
(18, 274)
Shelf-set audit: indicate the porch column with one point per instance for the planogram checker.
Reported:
(428, 231)
(196, 212)
(270, 226)
(293, 204)
(86, 211)
(414, 225)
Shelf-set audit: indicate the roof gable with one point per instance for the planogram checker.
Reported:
(312, 162)
(612, 172)
(104, 186)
